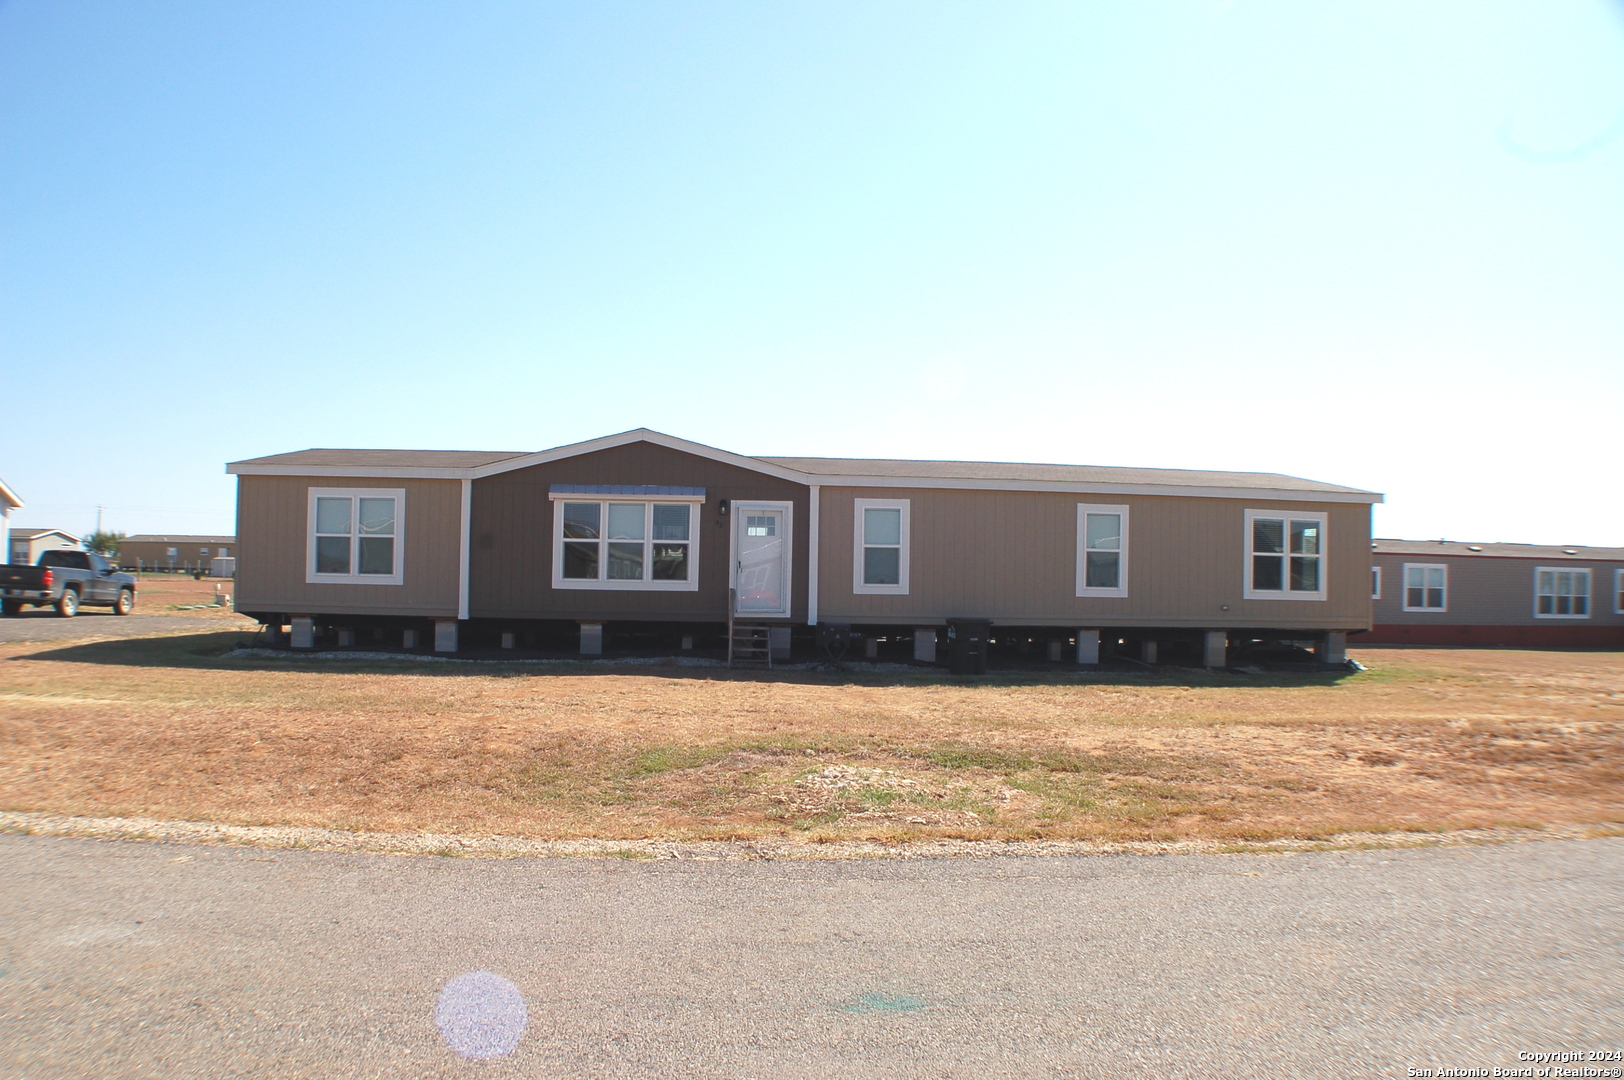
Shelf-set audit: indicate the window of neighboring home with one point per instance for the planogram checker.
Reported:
(1426, 587)
(356, 536)
(617, 544)
(880, 546)
(1560, 593)
(1375, 583)
(1618, 592)
(203, 552)
(174, 553)
(1102, 550)
(1285, 555)
(223, 553)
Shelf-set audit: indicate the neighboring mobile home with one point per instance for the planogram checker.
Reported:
(27, 545)
(1436, 592)
(179, 554)
(642, 529)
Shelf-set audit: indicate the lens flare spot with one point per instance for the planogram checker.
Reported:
(481, 1015)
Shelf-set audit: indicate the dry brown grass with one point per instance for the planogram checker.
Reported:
(180, 594)
(1427, 739)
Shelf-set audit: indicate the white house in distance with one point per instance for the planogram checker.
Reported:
(9, 501)
(25, 546)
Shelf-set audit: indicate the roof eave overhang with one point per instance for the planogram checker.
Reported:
(626, 438)
(12, 499)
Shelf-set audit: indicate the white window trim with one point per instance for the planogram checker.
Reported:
(1121, 589)
(397, 578)
(1249, 593)
(1618, 592)
(1590, 590)
(1404, 588)
(741, 511)
(858, 585)
(1376, 584)
(605, 585)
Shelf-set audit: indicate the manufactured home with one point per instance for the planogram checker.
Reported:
(27, 545)
(9, 501)
(1437, 592)
(642, 531)
(174, 554)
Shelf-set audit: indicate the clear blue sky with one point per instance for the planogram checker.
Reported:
(1378, 244)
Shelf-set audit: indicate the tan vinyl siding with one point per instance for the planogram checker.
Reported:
(273, 537)
(1490, 591)
(1011, 557)
(512, 537)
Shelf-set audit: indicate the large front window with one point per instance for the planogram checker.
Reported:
(1102, 550)
(1561, 593)
(612, 544)
(355, 536)
(1285, 555)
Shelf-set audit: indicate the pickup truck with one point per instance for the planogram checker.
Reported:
(66, 580)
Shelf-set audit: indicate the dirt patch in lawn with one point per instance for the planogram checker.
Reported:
(171, 728)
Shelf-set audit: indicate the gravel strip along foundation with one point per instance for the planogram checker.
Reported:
(292, 837)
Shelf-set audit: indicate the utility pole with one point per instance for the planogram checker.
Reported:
(98, 517)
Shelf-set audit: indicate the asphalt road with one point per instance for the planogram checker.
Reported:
(44, 624)
(141, 959)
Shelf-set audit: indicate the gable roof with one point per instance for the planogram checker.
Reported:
(1466, 549)
(34, 534)
(849, 472)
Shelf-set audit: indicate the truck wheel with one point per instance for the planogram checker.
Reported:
(11, 607)
(125, 602)
(68, 606)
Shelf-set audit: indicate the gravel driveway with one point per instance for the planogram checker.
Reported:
(44, 624)
(149, 959)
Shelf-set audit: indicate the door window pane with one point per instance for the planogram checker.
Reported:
(377, 555)
(1267, 573)
(1102, 569)
(670, 521)
(580, 560)
(1268, 535)
(882, 525)
(625, 562)
(626, 521)
(761, 525)
(333, 516)
(671, 562)
(882, 566)
(581, 522)
(333, 554)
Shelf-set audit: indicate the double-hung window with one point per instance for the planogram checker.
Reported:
(618, 544)
(356, 536)
(1561, 593)
(1102, 550)
(880, 546)
(1618, 592)
(1426, 587)
(1285, 555)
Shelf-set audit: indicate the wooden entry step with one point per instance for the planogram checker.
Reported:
(749, 644)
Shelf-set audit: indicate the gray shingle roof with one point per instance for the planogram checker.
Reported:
(1467, 549)
(1073, 474)
(409, 459)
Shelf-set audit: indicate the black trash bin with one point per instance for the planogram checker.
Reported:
(967, 645)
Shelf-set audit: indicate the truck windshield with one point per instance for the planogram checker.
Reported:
(70, 560)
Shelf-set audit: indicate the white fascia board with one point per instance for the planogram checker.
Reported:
(965, 484)
(10, 496)
(395, 472)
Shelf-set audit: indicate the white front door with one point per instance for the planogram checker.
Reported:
(761, 558)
